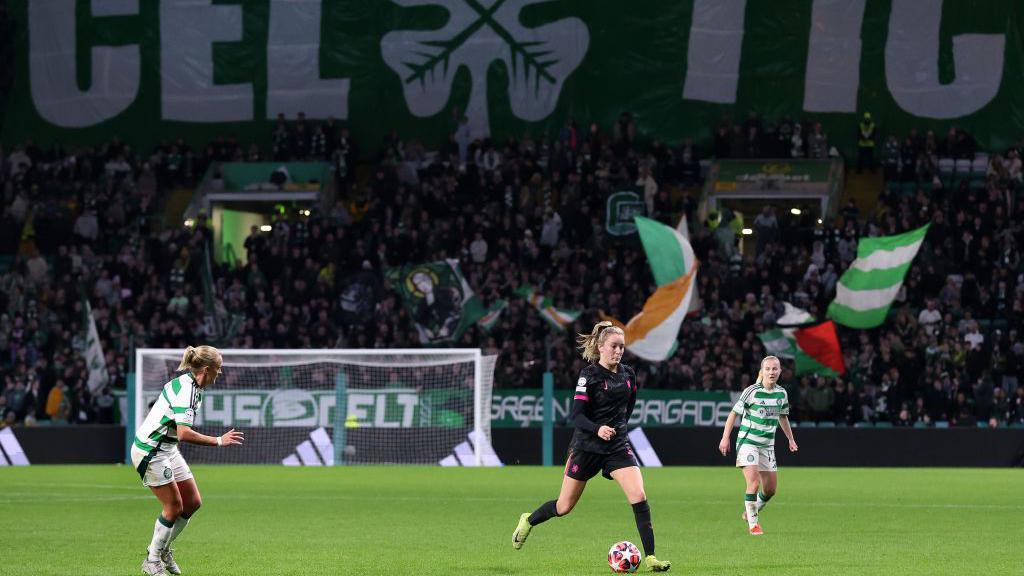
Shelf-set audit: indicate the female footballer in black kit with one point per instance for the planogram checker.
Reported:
(604, 399)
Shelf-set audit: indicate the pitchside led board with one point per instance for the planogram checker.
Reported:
(86, 70)
(412, 408)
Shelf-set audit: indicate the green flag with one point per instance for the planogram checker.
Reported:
(439, 299)
(867, 288)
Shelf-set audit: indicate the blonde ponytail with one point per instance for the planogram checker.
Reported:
(197, 357)
(187, 359)
(589, 343)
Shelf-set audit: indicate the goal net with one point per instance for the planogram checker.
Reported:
(330, 407)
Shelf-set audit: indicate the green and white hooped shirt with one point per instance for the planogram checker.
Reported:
(760, 410)
(176, 406)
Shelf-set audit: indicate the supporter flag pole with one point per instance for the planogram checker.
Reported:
(340, 418)
(548, 425)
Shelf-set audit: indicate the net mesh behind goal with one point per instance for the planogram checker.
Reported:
(397, 406)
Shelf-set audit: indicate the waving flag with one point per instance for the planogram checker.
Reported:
(557, 317)
(653, 333)
(490, 319)
(815, 349)
(867, 288)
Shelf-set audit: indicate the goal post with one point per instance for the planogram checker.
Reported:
(337, 406)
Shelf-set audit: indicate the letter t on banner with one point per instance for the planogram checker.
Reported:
(833, 56)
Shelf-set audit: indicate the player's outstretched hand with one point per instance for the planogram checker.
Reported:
(792, 446)
(231, 437)
(723, 446)
(606, 432)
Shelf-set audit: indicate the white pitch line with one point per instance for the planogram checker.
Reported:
(63, 497)
(71, 485)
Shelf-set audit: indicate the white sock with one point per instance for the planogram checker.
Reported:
(161, 535)
(751, 505)
(761, 501)
(179, 525)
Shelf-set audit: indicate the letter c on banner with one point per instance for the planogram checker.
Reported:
(53, 80)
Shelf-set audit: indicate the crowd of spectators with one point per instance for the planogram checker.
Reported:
(514, 212)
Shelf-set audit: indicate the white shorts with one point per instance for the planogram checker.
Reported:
(748, 455)
(162, 468)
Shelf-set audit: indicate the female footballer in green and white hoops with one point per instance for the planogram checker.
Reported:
(763, 407)
(156, 457)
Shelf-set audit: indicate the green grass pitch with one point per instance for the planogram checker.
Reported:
(97, 520)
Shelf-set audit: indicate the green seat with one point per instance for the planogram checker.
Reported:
(826, 424)
(883, 424)
(941, 424)
(920, 424)
(864, 425)
(808, 424)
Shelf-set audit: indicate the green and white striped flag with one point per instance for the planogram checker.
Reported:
(490, 319)
(867, 288)
(557, 317)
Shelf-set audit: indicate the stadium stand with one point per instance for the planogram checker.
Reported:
(88, 222)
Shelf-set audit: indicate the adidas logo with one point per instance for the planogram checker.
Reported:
(464, 454)
(317, 451)
(643, 450)
(11, 453)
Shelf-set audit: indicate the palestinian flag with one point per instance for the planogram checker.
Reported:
(558, 318)
(815, 349)
(794, 316)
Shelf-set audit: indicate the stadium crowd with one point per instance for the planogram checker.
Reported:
(87, 222)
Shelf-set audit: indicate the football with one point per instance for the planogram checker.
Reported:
(624, 557)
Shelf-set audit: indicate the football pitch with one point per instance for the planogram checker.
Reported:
(98, 520)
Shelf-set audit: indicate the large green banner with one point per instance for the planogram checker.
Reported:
(146, 70)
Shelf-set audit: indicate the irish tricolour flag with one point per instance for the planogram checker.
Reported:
(558, 318)
(652, 334)
(815, 350)
(489, 320)
(867, 288)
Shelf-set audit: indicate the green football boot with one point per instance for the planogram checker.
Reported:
(522, 531)
(655, 565)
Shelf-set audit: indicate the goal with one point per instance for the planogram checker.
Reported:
(332, 407)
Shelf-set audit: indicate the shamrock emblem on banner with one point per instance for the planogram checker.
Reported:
(478, 32)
